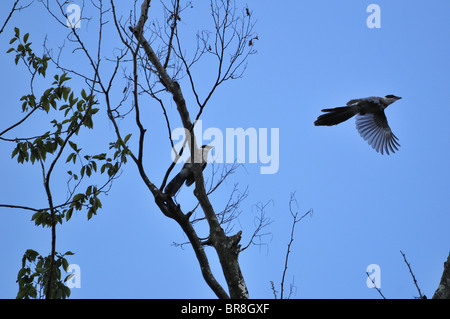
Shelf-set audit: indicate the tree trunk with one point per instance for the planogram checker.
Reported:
(443, 291)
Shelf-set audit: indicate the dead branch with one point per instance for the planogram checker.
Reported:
(261, 222)
(295, 220)
(413, 277)
(12, 12)
(375, 286)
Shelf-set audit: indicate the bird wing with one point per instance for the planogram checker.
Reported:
(190, 179)
(374, 128)
(354, 101)
(175, 184)
(370, 99)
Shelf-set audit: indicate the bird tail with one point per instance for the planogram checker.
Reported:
(190, 180)
(174, 185)
(335, 116)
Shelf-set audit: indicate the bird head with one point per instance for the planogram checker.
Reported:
(390, 98)
(205, 151)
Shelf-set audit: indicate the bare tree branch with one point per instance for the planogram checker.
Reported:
(226, 247)
(375, 286)
(296, 220)
(274, 291)
(413, 277)
(261, 221)
(11, 13)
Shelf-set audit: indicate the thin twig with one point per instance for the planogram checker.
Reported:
(375, 286)
(288, 252)
(9, 16)
(172, 31)
(274, 291)
(412, 274)
(261, 221)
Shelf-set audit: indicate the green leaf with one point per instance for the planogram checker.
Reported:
(91, 212)
(65, 264)
(80, 106)
(126, 138)
(17, 32)
(69, 213)
(35, 215)
(14, 153)
(25, 37)
(94, 166)
(73, 146)
(78, 197)
(22, 293)
(69, 158)
(31, 254)
(69, 277)
(66, 93)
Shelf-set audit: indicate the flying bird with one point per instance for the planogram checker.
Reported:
(186, 173)
(371, 121)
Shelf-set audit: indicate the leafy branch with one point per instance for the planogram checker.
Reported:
(46, 149)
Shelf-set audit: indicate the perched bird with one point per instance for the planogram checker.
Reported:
(187, 174)
(371, 121)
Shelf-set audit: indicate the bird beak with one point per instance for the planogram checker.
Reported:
(399, 98)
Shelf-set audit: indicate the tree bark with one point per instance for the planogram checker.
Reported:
(443, 291)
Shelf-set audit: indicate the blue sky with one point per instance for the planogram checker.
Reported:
(366, 206)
